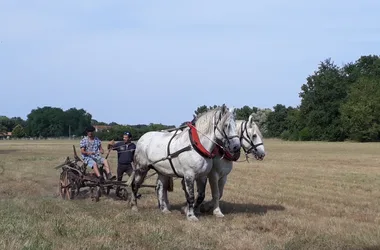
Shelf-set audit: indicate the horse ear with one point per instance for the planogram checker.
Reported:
(250, 121)
(224, 107)
(233, 110)
(194, 119)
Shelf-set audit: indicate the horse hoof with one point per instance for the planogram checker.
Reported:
(166, 211)
(184, 210)
(192, 218)
(218, 213)
(135, 209)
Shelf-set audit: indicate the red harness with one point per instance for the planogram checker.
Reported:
(227, 155)
(218, 150)
(196, 142)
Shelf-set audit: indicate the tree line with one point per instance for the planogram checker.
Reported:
(53, 122)
(337, 103)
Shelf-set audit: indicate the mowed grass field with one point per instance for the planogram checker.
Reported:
(304, 195)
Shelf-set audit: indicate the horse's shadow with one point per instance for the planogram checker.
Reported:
(250, 208)
(238, 208)
(85, 194)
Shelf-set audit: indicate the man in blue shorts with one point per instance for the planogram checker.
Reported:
(91, 148)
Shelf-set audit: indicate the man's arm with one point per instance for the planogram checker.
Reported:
(101, 148)
(115, 146)
(83, 148)
(83, 151)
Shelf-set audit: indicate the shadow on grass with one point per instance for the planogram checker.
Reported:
(371, 248)
(7, 151)
(238, 208)
(241, 208)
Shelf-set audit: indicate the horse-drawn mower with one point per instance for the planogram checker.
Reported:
(74, 176)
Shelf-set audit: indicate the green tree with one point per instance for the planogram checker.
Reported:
(260, 117)
(277, 121)
(294, 126)
(201, 109)
(6, 123)
(3, 128)
(18, 131)
(361, 112)
(244, 112)
(365, 66)
(76, 120)
(322, 96)
(46, 122)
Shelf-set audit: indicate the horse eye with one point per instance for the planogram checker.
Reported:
(254, 135)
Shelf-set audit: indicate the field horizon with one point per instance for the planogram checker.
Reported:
(303, 195)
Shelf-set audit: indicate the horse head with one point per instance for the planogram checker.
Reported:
(256, 139)
(226, 130)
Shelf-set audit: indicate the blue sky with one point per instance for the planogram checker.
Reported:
(156, 61)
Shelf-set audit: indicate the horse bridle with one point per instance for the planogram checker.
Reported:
(253, 147)
(222, 132)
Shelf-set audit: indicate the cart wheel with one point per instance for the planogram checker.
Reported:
(61, 190)
(71, 190)
(71, 186)
(61, 184)
(124, 194)
(66, 186)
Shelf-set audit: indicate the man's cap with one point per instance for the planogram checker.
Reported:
(128, 133)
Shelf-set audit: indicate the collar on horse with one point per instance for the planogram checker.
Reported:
(196, 142)
(218, 149)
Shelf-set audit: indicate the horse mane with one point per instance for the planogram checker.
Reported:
(202, 121)
(256, 129)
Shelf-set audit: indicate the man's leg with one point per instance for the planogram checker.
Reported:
(120, 172)
(107, 168)
(92, 164)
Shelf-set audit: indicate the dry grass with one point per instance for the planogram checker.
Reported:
(302, 196)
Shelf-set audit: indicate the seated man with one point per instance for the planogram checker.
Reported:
(91, 147)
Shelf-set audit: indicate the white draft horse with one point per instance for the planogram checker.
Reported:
(252, 143)
(187, 154)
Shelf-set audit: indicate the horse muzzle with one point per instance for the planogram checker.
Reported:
(259, 156)
(234, 145)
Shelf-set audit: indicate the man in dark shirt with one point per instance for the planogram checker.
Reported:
(125, 153)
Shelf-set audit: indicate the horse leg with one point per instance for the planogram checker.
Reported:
(188, 187)
(214, 183)
(208, 205)
(201, 190)
(217, 212)
(137, 179)
(162, 193)
(135, 190)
